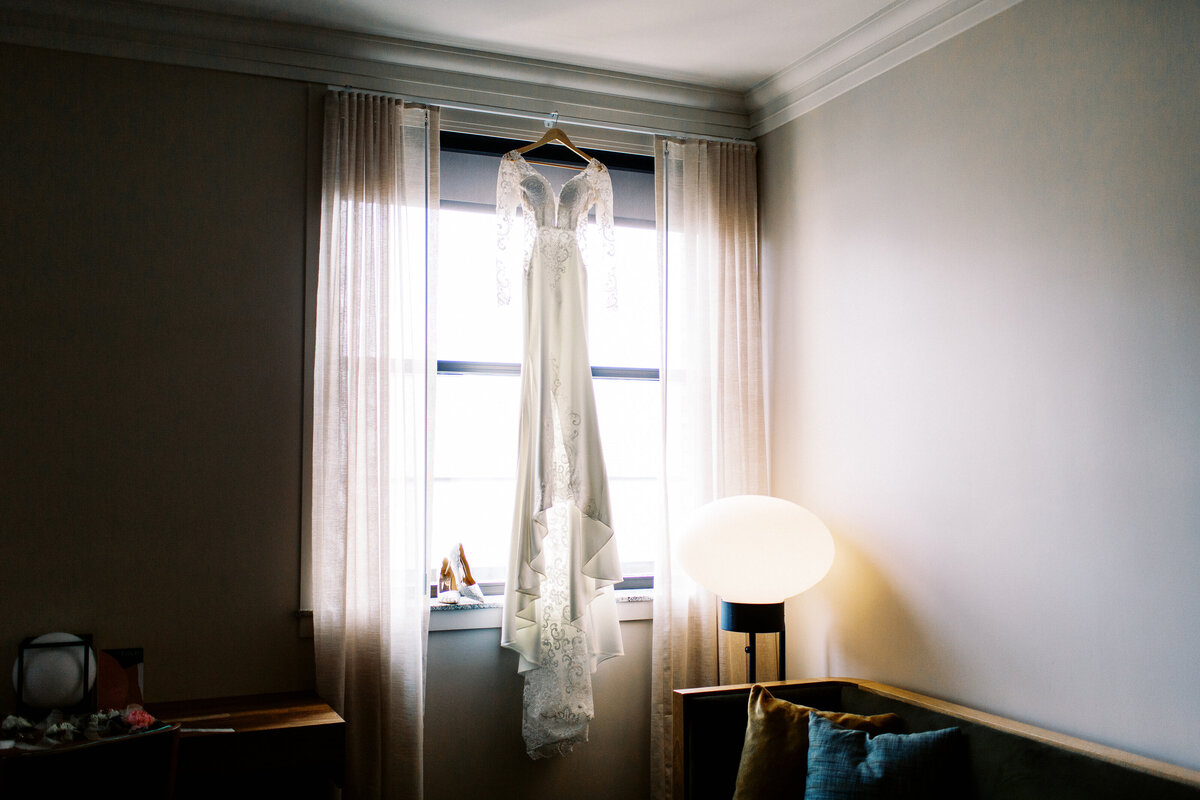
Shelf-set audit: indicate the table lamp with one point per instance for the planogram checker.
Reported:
(754, 552)
(55, 670)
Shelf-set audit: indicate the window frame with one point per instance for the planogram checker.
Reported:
(451, 141)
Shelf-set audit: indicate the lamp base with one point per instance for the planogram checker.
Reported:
(755, 618)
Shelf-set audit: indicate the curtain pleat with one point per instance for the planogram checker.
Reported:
(714, 428)
(370, 454)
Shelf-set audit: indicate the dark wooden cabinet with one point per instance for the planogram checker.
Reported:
(273, 745)
(145, 760)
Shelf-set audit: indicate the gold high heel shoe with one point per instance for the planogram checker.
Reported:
(467, 587)
(447, 588)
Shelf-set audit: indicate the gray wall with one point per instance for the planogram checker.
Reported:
(982, 278)
(473, 724)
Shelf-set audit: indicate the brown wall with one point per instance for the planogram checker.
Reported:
(152, 274)
(151, 347)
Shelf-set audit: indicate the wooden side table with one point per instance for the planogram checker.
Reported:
(268, 745)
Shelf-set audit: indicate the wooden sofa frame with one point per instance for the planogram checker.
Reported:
(1008, 760)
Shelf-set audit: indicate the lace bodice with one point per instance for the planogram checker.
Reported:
(520, 185)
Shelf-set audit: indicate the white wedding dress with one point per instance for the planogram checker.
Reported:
(559, 610)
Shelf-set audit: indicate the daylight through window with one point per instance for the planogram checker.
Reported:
(478, 349)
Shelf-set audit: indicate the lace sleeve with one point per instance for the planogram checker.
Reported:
(602, 195)
(508, 241)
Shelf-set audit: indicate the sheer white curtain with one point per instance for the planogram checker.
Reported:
(370, 590)
(714, 431)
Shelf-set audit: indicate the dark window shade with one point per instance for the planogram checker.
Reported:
(468, 175)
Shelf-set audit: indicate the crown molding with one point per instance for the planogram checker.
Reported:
(898, 32)
(434, 73)
(452, 76)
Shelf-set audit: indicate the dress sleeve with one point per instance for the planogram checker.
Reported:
(509, 240)
(602, 196)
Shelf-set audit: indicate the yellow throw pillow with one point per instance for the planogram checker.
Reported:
(775, 753)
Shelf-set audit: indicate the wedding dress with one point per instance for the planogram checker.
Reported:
(559, 609)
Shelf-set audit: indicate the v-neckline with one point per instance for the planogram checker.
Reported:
(557, 196)
(592, 163)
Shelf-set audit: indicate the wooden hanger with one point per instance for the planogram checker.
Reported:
(555, 135)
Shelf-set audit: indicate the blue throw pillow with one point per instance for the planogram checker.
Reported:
(848, 765)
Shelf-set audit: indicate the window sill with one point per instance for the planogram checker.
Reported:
(632, 605)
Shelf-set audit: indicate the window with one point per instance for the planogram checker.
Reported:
(478, 347)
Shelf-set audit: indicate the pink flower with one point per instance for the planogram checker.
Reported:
(137, 718)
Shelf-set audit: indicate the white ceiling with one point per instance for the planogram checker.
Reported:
(728, 44)
(716, 68)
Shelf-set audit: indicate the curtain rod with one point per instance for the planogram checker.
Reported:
(550, 119)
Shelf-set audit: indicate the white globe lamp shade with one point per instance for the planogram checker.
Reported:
(755, 549)
(54, 676)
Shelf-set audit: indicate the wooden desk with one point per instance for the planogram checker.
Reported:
(290, 744)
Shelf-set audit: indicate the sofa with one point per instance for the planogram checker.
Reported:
(1000, 759)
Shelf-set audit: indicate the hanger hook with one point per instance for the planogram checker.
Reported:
(552, 121)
